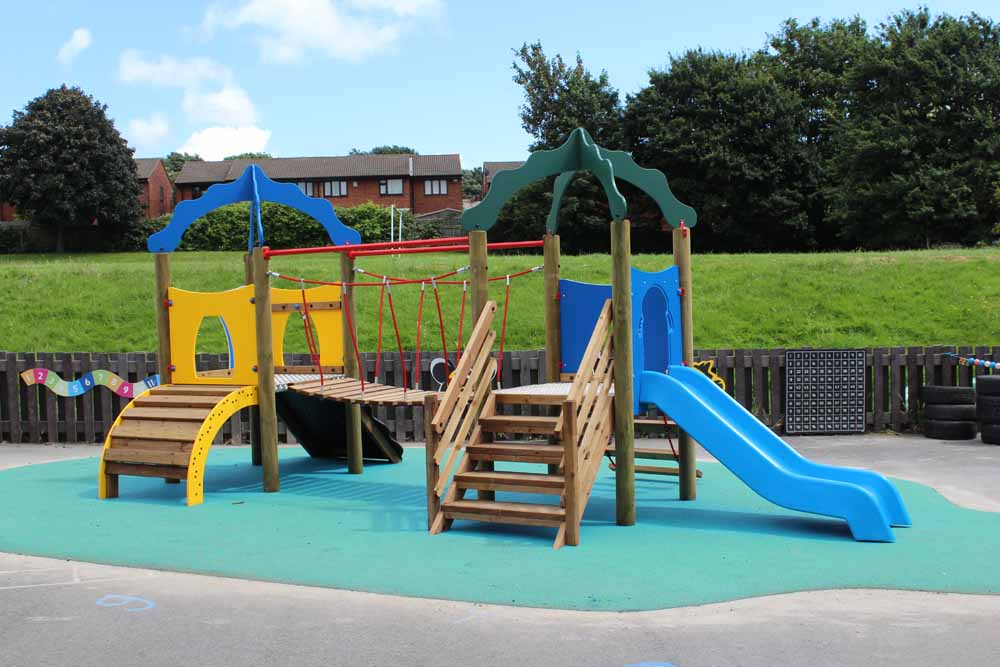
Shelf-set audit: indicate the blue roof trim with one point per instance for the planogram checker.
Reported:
(252, 186)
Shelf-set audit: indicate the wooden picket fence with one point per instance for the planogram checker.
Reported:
(754, 377)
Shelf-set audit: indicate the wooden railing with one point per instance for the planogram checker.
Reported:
(456, 415)
(586, 423)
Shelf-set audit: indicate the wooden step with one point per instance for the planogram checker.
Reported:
(149, 429)
(142, 470)
(193, 390)
(650, 453)
(520, 482)
(529, 514)
(167, 413)
(176, 401)
(146, 456)
(519, 424)
(515, 451)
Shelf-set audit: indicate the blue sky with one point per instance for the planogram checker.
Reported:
(319, 77)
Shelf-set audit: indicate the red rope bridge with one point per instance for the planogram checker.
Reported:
(385, 283)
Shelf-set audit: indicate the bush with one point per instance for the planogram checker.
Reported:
(133, 238)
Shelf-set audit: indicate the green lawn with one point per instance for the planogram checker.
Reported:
(103, 303)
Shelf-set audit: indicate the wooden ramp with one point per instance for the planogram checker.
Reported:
(167, 433)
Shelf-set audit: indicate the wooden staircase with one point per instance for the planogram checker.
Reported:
(469, 436)
(167, 433)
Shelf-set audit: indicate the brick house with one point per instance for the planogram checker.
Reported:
(156, 194)
(425, 184)
(491, 168)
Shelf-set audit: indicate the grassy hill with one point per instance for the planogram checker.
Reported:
(103, 303)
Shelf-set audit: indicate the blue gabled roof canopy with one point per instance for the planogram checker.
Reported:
(255, 187)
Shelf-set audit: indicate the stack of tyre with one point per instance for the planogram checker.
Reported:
(950, 412)
(988, 408)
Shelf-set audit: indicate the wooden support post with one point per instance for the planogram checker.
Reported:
(430, 446)
(621, 308)
(553, 351)
(571, 464)
(478, 272)
(265, 372)
(253, 410)
(352, 411)
(686, 450)
(479, 283)
(163, 361)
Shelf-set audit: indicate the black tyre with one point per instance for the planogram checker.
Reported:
(944, 430)
(988, 385)
(950, 413)
(990, 434)
(948, 395)
(988, 409)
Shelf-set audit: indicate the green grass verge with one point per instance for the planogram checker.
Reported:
(103, 303)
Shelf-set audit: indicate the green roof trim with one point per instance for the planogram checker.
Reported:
(579, 152)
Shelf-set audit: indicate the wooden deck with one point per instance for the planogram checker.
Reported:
(348, 390)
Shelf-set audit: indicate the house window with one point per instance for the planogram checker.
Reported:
(437, 186)
(163, 197)
(195, 192)
(390, 186)
(306, 187)
(334, 188)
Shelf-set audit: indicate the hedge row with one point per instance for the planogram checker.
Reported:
(227, 228)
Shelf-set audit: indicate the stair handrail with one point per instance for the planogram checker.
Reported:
(585, 424)
(455, 420)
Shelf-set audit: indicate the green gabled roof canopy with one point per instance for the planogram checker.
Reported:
(579, 153)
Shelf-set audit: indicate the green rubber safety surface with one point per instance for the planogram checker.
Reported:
(368, 533)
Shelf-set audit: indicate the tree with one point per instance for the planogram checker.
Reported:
(174, 162)
(472, 183)
(63, 163)
(724, 132)
(813, 61)
(917, 161)
(393, 149)
(248, 156)
(559, 98)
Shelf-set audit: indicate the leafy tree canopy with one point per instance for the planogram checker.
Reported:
(393, 149)
(249, 156)
(63, 163)
(472, 183)
(558, 98)
(174, 162)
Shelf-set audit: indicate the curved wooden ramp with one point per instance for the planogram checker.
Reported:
(167, 433)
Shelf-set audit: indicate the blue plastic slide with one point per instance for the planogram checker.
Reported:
(866, 500)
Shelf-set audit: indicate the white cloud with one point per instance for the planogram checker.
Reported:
(146, 132)
(216, 143)
(231, 105)
(346, 30)
(74, 46)
(211, 94)
(135, 67)
(399, 7)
